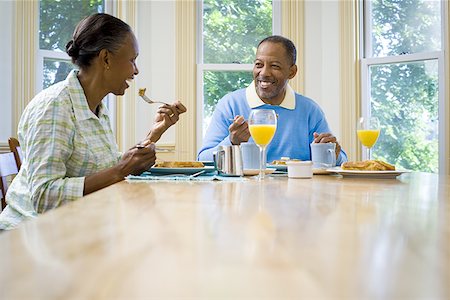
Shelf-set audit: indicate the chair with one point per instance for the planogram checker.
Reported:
(8, 167)
(15, 148)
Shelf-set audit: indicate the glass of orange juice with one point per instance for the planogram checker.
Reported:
(368, 130)
(262, 124)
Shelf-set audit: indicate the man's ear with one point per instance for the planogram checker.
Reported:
(292, 71)
(105, 57)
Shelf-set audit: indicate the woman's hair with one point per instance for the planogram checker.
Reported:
(287, 44)
(94, 33)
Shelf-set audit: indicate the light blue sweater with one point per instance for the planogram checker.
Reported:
(294, 133)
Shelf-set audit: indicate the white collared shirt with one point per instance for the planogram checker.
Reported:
(254, 101)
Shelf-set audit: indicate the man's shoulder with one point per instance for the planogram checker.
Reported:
(235, 95)
(306, 102)
(234, 98)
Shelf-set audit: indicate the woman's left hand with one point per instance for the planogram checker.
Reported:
(166, 116)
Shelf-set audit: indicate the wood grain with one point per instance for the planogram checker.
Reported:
(322, 238)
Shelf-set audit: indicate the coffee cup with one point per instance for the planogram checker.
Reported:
(250, 156)
(323, 155)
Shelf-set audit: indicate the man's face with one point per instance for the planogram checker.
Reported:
(123, 66)
(271, 71)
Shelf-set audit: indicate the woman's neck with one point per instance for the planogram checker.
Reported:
(93, 89)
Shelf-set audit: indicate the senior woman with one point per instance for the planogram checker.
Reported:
(65, 132)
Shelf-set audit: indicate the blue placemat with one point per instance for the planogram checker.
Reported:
(147, 176)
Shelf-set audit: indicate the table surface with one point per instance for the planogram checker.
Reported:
(322, 238)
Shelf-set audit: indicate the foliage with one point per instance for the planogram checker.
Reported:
(233, 28)
(56, 25)
(404, 96)
(231, 31)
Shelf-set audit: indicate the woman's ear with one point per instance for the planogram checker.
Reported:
(292, 71)
(105, 57)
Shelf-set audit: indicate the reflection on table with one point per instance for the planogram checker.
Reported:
(320, 238)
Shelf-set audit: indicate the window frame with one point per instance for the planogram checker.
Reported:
(367, 60)
(43, 54)
(201, 67)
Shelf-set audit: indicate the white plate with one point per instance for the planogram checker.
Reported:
(368, 174)
(278, 167)
(186, 171)
(250, 172)
(321, 171)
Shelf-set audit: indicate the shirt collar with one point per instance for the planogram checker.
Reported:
(254, 100)
(79, 101)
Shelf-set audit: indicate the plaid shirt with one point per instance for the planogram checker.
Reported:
(62, 142)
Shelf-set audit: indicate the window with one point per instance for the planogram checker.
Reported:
(229, 32)
(402, 80)
(57, 21)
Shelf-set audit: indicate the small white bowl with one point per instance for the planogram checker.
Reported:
(300, 169)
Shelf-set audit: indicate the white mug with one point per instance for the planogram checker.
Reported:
(250, 156)
(323, 155)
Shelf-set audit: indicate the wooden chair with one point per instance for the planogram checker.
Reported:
(15, 148)
(8, 167)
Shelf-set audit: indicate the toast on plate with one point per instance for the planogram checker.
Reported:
(179, 164)
(368, 165)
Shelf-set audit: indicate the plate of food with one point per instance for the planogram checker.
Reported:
(369, 169)
(180, 167)
(280, 164)
(251, 172)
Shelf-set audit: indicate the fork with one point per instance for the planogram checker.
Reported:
(184, 175)
(147, 99)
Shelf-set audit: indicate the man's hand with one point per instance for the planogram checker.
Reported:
(239, 132)
(166, 116)
(327, 138)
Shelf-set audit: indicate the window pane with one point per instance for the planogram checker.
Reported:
(233, 28)
(405, 27)
(56, 71)
(59, 18)
(405, 99)
(219, 83)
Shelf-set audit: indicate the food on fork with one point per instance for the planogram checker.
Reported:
(142, 92)
(368, 165)
(179, 164)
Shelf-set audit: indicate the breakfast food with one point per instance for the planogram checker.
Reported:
(142, 92)
(282, 161)
(368, 165)
(278, 162)
(179, 164)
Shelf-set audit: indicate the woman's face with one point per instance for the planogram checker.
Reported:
(122, 66)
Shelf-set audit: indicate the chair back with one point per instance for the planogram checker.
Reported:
(15, 148)
(8, 167)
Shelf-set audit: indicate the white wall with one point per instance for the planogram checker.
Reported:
(322, 58)
(6, 21)
(156, 62)
(156, 36)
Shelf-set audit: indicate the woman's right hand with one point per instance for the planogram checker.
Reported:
(137, 160)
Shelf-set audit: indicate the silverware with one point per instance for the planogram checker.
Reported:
(197, 174)
(184, 175)
(147, 99)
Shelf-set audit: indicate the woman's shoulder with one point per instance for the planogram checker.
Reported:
(54, 96)
(53, 102)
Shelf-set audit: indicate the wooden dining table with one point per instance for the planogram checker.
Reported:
(327, 237)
